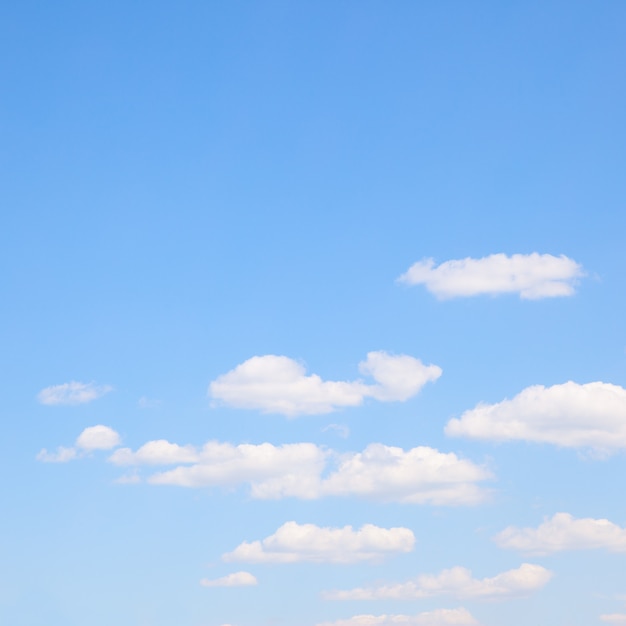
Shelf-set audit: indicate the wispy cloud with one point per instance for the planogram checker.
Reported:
(294, 543)
(457, 582)
(532, 276)
(92, 438)
(61, 455)
(279, 384)
(341, 429)
(238, 579)
(72, 393)
(148, 403)
(438, 617)
(564, 532)
(570, 415)
(614, 618)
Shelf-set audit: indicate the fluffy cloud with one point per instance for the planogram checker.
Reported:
(238, 579)
(614, 618)
(271, 471)
(72, 393)
(569, 415)
(457, 582)
(293, 543)
(159, 452)
(564, 532)
(98, 438)
(439, 617)
(419, 475)
(92, 438)
(278, 384)
(533, 276)
(303, 470)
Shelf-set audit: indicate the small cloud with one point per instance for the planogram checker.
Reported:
(128, 479)
(72, 393)
(148, 403)
(532, 276)
(341, 430)
(62, 455)
(438, 617)
(92, 438)
(159, 452)
(238, 579)
(98, 438)
(614, 618)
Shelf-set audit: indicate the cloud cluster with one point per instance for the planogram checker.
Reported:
(93, 438)
(420, 475)
(456, 582)
(570, 415)
(438, 617)
(278, 384)
(238, 579)
(295, 543)
(72, 393)
(564, 532)
(533, 276)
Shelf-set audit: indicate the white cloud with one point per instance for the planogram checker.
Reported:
(271, 471)
(148, 403)
(614, 618)
(98, 438)
(303, 470)
(278, 384)
(128, 479)
(564, 532)
(238, 579)
(62, 455)
(419, 475)
(533, 276)
(72, 393)
(438, 617)
(341, 429)
(568, 415)
(92, 438)
(159, 452)
(294, 543)
(456, 582)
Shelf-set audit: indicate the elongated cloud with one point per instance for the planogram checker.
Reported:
(159, 452)
(456, 582)
(420, 475)
(438, 617)
(271, 472)
(238, 579)
(533, 276)
(564, 532)
(614, 618)
(278, 384)
(568, 415)
(294, 543)
(92, 438)
(72, 393)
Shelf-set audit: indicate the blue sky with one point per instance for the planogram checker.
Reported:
(235, 389)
